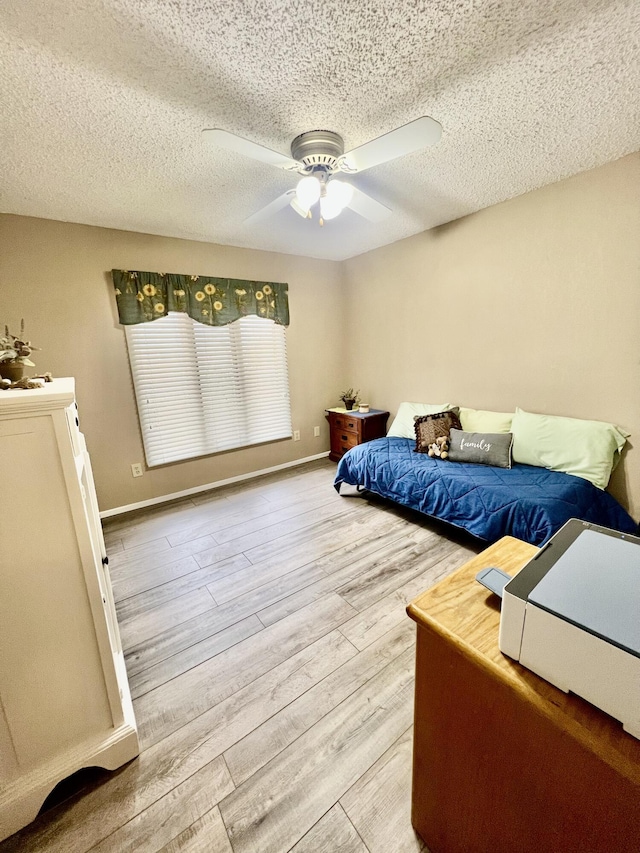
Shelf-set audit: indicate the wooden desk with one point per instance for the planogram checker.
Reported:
(503, 761)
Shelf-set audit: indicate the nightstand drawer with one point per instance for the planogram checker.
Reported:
(343, 441)
(346, 423)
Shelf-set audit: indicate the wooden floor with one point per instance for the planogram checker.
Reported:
(271, 664)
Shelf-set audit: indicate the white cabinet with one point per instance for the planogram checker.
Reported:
(64, 697)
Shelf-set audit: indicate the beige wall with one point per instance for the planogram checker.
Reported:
(55, 276)
(533, 303)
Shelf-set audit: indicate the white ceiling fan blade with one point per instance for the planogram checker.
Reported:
(403, 140)
(271, 208)
(224, 139)
(368, 207)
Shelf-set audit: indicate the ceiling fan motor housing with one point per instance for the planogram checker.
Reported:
(318, 149)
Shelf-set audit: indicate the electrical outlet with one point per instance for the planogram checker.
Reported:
(136, 469)
(296, 435)
(316, 431)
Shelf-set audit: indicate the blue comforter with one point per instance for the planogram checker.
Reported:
(526, 502)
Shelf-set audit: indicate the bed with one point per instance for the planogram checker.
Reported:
(524, 501)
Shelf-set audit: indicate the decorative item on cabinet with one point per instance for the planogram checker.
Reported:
(14, 354)
(64, 696)
(26, 383)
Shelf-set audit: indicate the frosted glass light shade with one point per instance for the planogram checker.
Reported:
(339, 192)
(308, 192)
(329, 207)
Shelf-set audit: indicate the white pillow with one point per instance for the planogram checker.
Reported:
(403, 426)
(587, 449)
(479, 420)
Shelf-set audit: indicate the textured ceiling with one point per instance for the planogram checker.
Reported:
(103, 103)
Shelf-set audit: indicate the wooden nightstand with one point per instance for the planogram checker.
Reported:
(351, 428)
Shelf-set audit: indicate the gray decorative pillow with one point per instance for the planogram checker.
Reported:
(484, 448)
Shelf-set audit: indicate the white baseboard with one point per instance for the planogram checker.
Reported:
(118, 510)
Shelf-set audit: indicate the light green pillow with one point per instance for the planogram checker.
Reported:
(587, 449)
(477, 420)
(403, 426)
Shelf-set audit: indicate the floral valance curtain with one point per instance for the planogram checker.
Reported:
(146, 296)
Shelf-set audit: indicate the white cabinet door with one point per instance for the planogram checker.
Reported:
(51, 682)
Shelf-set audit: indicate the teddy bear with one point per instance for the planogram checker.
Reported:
(440, 447)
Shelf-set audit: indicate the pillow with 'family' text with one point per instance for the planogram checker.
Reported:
(482, 448)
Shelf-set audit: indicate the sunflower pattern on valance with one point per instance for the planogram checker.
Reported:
(145, 296)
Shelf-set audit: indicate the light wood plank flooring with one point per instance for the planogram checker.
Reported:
(271, 664)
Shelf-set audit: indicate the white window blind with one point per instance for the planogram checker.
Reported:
(202, 389)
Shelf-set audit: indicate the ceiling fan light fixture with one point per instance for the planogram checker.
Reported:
(317, 155)
(307, 192)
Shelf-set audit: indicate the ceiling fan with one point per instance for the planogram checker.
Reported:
(318, 155)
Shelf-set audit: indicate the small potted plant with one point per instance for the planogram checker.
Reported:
(349, 398)
(14, 354)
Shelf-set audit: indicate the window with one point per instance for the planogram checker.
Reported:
(202, 389)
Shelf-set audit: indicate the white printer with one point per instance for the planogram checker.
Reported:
(572, 616)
